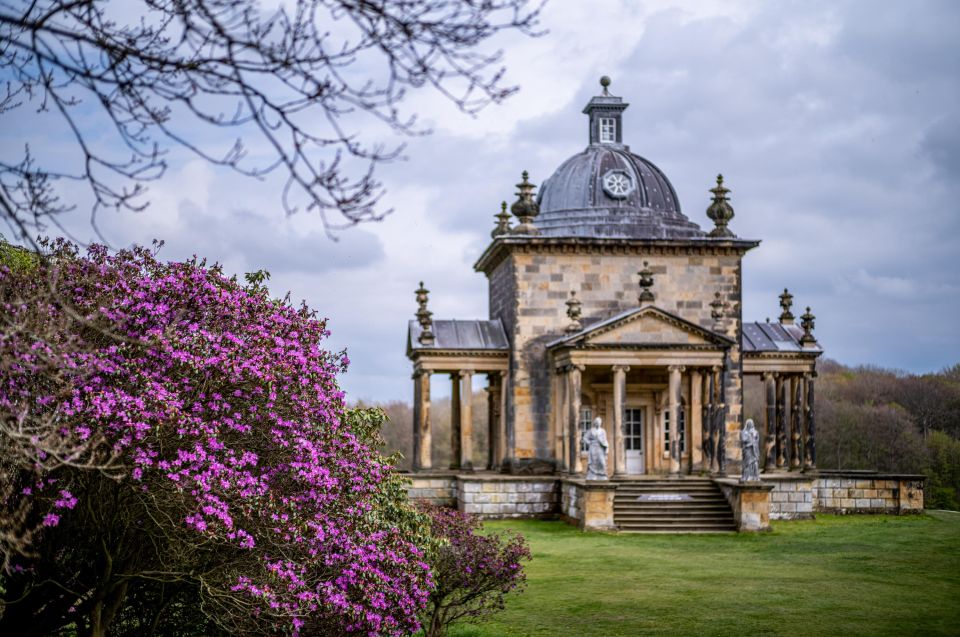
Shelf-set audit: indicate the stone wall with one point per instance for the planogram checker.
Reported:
(848, 492)
(792, 497)
(589, 505)
(801, 496)
(571, 501)
(439, 489)
(606, 282)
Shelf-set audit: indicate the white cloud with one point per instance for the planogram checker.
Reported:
(833, 123)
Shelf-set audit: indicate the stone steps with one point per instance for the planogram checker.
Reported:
(693, 505)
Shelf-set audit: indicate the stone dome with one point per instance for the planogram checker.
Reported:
(607, 191)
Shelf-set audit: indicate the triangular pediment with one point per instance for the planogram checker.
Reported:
(645, 327)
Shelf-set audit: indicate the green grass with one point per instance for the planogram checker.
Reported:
(851, 576)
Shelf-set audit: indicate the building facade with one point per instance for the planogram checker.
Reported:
(607, 301)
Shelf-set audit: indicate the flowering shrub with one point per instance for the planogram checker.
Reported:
(168, 434)
(472, 571)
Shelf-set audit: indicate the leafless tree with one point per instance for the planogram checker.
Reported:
(290, 81)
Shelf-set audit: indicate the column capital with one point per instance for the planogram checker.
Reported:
(716, 369)
(676, 368)
(768, 376)
(576, 366)
(620, 368)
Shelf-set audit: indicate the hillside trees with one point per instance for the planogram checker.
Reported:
(872, 418)
(251, 86)
(176, 459)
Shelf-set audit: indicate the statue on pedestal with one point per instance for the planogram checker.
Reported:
(595, 439)
(750, 448)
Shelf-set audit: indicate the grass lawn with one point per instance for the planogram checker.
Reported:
(853, 575)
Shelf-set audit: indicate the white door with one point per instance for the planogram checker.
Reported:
(633, 439)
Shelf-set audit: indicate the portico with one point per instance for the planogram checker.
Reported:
(641, 371)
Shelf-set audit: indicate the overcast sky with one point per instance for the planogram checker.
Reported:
(835, 124)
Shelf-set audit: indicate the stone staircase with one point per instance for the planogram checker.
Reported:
(685, 505)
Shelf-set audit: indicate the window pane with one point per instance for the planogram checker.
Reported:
(608, 129)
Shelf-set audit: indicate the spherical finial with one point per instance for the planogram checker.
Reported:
(604, 82)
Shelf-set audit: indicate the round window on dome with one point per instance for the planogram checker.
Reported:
(617, 183)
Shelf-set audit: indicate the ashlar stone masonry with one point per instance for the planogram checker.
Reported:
(607, 301)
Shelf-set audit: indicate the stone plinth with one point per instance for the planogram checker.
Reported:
(750, 502)
(588, 504)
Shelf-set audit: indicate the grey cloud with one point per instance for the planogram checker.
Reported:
(941, 147)
(268, 242)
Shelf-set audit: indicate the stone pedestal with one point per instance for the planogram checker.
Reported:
(750, 502)
(596, 505)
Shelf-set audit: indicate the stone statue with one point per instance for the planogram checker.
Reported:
(750, 447)
(595, 439)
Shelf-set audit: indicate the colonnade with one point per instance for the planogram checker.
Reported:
(707, 417)
(789, 396)
(461, 420)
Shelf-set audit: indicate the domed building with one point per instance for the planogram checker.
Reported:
(607, 302)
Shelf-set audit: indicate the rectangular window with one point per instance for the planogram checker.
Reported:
(633, 430)
(586, 420)
(608, 130)
(666, 430)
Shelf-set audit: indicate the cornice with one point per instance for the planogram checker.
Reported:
(502, 246)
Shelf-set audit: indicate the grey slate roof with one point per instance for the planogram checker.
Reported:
(460, 334)
(573, 202)
(773, 337)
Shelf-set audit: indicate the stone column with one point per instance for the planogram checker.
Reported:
(796, 437)
(466, 420)
(556, 417)
(422, 435)
(708, 442)
(673, 396)
(696, 422)
(770, 423)
(563, 419)
(574, 464)
(455, 421)
(493, 421)
(781, 423)
(504, 453)
(619, 399)
(720, 421)
(656, 445)
(810, 455)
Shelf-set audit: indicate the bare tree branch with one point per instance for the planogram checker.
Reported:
(295, 83)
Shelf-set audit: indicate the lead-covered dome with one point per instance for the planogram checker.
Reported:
(607, 191)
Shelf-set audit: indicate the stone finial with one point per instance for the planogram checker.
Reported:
(525, 207)
(503, 221)
(574, 312)
(646, 282)
(424, 316)
(605, 83)
(806, 322)
(720, 210)
(786, 302)
(717, 306)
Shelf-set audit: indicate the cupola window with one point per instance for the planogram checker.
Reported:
(608, 130)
